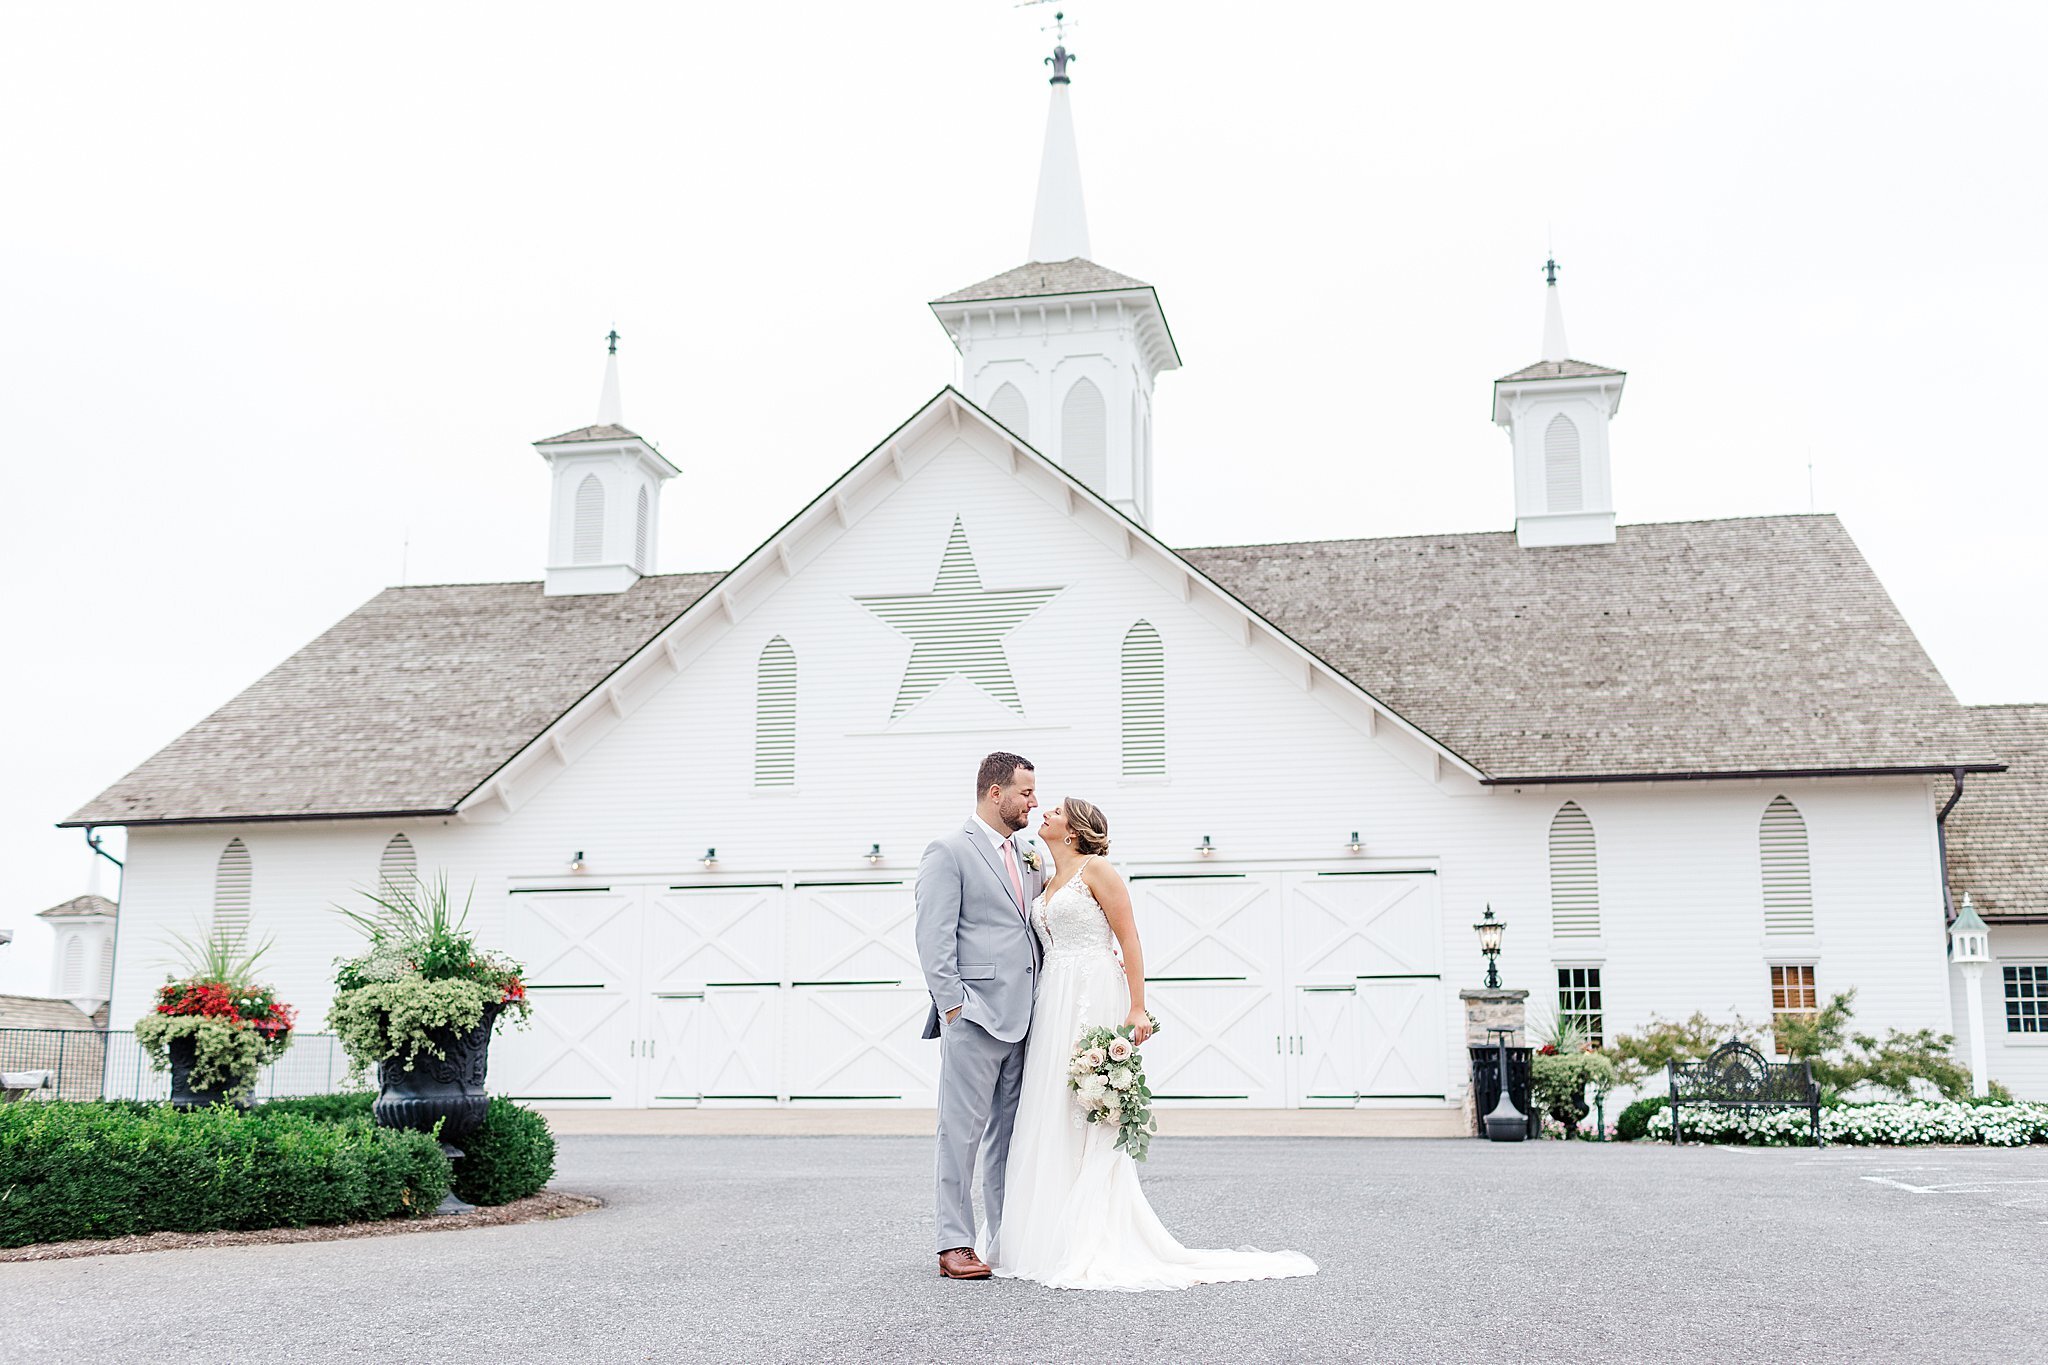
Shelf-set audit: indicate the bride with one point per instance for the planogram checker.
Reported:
(1074, 1216)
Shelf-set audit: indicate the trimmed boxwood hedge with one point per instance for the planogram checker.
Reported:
(1634, 1123)
(70, 1170)
(511, 1156)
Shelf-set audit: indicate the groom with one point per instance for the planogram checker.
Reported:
(980, 957)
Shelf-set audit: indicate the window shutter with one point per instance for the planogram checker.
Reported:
(1084, 435)
(399, 868)
(74, 966)
(1788, 870)
(1007, 406)
(640, 533)
(589, 520)
(1574, 875)
(231, 880)
(775, 716)
(1563, 484)
(1144, 702)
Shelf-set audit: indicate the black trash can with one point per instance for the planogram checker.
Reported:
(1486, 1086)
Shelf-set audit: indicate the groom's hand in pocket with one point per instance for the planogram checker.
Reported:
(954, 1013)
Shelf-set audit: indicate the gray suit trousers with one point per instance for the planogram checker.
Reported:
(979, 1080)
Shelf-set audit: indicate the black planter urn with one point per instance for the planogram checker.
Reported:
(448, 1090)
(184, 1056)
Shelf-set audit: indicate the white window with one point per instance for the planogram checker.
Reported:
(1144, 710)
(589, 524)
(1007, 406)
(1793, 995)
(1084, 435)
(1563, 482)
(231, 886)
(1574, 875)
(775, 716)
(399, 868)
(2026, 997)
(1579, 1002)
(1787, 869)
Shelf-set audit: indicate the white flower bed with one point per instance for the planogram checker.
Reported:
(1863, 1125)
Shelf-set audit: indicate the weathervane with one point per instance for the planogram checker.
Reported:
(612, 341)
(1550, 270)
(1058, 29)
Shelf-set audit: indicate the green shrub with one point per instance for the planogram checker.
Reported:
(509, 1157)
(1634, 1123)
(1560, 1080)
(99, 1170)
(335, 1108)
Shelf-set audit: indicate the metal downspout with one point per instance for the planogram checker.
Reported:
(1948, 908)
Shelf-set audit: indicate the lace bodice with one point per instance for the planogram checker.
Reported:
(1071, 927)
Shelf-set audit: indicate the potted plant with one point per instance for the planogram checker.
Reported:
(1564, 1066)
(215, 1027)
(420, 1002)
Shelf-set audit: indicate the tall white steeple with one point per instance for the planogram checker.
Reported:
(604, 520)
(1556, 414)
(1060, 350)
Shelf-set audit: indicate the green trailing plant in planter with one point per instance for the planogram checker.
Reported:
(421, 980)
(1564, 1067)
(215, 1027)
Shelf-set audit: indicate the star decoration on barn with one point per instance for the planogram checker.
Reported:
(957, 629)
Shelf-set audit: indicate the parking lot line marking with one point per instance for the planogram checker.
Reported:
(1897, 1184)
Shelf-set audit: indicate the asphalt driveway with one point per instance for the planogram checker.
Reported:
(818, 1248)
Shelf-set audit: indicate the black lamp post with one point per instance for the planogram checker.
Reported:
(1489, 930)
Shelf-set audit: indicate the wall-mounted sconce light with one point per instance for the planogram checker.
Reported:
(1205, 848)
(576, 863)
(1356, 846)
(874, 855)
(710, 859)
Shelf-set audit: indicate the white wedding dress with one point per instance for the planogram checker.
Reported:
(1074, 1216)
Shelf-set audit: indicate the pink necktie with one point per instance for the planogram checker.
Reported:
(1010, 862)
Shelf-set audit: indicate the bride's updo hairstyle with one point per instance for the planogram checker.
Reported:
(1089, 824)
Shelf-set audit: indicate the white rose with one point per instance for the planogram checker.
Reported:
(1120, 1077)
(1120, 1050)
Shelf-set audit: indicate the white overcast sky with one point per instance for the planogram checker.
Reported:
(283, 287)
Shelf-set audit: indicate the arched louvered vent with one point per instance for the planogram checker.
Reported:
(1144, 702)
(399, 868)
(1564, 484)
(106, 986)
(589, 520)
(1788, 870)
(231, 891)
(1007, 406)
(642, 532)
(1084, 435)
(1574, 875)
(74, 966)
(775, 716)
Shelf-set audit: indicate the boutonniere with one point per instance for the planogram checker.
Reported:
(1031, 859)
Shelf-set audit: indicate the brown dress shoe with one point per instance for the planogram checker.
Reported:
(960, 1263)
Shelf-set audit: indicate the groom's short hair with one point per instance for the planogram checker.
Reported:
(997, 770)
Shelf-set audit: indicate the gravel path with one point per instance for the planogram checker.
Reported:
(816, 1248)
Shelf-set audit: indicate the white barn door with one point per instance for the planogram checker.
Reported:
(711, 972)
(1212, 975)
(1363, 953)
(857, 1001)
(581, 950)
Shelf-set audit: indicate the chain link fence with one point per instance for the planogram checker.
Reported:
(89, 1064)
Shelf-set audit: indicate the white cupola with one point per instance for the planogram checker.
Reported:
(82, 965)
(1556, 414)
(604, 518)
(1060, 350)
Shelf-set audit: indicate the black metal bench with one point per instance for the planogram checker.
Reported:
(1736, 1076)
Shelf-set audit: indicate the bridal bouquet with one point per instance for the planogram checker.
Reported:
(1108, 1080)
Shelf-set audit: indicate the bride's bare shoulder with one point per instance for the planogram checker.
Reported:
(1101, 874)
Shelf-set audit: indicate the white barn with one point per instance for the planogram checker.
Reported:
(1691, 765)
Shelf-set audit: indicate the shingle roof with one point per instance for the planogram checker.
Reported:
(77, 906)
(1557, 369)
(1706, 646)
(1038, 278)
(604, 431)
(405, 706)
(1998, 833)
(35, 1011)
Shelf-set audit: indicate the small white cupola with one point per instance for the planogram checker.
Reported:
(82, 966)
(604, 519)
(1556, 414)
(1062, 351)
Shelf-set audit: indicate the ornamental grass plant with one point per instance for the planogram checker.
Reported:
(80, 1170)
(421, 978)
(237, 1025)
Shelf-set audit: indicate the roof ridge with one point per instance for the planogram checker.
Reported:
(1440, 535)
(537, 582)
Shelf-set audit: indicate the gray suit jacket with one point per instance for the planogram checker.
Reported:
(973, 938)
